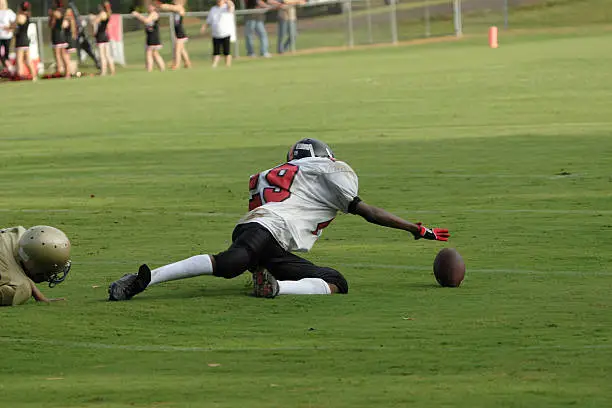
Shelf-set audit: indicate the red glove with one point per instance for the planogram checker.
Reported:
(434, 234)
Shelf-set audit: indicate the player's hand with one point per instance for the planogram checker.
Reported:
(434, 234)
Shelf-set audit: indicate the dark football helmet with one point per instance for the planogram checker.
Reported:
(309, 148)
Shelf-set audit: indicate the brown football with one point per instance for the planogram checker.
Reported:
(449, 268)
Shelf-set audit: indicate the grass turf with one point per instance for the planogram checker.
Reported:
(508, 148)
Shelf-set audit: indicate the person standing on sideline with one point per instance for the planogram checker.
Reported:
(255, 23)
(22, 42)
(101, 20)
(7, 18)
(287, 23)
(151, 22)
(70, 35)
(59, 44)
(221, 21)
(82, 36)
(180, 52)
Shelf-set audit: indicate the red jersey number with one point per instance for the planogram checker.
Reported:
(280, 180)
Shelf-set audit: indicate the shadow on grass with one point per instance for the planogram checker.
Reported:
(183, 293)
(423, 285)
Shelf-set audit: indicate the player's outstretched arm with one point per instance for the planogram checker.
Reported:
(382, 217)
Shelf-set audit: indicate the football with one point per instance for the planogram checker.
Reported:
(449, 268)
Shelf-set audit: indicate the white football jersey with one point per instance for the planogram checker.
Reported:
(296, 200)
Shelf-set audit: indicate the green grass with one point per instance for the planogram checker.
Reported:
(509, 148)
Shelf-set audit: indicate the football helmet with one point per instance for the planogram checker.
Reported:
(45, 254)
(309, 148)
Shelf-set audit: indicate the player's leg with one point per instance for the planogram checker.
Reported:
(296, 276)
(249, 243)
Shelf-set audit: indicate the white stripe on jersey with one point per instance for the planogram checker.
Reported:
(296, 200)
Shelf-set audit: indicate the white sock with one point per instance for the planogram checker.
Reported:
(306, 286)
(187, 268)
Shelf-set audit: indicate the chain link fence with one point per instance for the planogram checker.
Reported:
(320, 23)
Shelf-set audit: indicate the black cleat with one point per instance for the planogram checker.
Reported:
(130, 285)
(264, 284)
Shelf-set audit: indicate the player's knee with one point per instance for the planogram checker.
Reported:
(231, 263)
(335, 278)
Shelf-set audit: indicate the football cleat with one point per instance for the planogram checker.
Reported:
(130, 285)
(264, 284)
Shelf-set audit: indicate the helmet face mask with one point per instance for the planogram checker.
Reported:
(45, 254)
(309, 148)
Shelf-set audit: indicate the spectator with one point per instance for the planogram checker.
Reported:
(70, 34)
(221, 21)
(101, 20)
(151, 22)
(254, 23)
(22, 42)
(83, 43)
(59, 44)
(287, 23)
(180, 52)
(7, 18)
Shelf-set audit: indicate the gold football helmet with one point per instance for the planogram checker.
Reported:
(45, 253)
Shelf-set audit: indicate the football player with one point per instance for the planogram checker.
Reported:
(289, 207)
(39, 254)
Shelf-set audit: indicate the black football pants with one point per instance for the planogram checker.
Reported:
(254, 246)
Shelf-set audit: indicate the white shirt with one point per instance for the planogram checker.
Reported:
(296, 200)
(7, 17)
(221, 21)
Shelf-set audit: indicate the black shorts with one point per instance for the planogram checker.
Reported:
(4, 49)
(219, 43)
(254, 246)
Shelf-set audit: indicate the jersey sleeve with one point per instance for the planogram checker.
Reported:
(344, 186)
(12, 295)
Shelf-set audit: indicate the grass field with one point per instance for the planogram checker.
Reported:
(510, 149)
